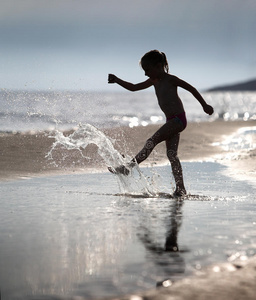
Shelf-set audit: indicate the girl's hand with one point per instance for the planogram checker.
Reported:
(111, 78)
(208, 109)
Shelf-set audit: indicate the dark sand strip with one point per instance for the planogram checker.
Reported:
(23, 155)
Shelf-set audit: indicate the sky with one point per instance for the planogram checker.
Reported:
(74, 44)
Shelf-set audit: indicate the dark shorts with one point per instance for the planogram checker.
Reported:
(180, 118)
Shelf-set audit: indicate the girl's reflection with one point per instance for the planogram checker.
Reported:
(171, 243)
(166, 256)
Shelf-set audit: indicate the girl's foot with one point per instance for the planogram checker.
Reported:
(124, 170)
(119, 170)
(179, 192)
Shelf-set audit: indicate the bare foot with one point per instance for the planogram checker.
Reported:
(119, 170)
(179, 192)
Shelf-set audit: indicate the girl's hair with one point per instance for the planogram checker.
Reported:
(154, 57)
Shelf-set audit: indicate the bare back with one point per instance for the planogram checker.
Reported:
(167, 95)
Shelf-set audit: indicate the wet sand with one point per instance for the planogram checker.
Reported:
(24, 155)
(223, 282)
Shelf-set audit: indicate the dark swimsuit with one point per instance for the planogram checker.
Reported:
(179, 118)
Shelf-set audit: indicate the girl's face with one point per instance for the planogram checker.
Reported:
(152, 71)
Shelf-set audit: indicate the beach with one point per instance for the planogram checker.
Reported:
(72, 227)
(24, 156)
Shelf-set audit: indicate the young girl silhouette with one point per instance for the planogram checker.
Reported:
(155, 65)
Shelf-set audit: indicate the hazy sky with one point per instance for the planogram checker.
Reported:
(74, 44)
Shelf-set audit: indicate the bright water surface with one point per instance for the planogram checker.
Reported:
(33, 111)
(76, 235)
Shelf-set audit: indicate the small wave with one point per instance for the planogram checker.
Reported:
(243, 139)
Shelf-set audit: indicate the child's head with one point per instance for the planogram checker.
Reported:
(155, 57)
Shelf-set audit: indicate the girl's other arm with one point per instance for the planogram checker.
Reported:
(183, 84)
(128, 85)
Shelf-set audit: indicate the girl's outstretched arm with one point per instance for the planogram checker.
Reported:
(183, 84)
(128, 85)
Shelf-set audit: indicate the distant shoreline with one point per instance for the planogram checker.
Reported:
(242, 86)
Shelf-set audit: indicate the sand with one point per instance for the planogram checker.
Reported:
(24, 155)
(218, 282)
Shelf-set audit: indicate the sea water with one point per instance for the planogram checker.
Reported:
(99, 235)
(134, 183)
(22, 111)
(75, 235)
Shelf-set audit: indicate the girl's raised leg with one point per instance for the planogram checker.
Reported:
(166, 132)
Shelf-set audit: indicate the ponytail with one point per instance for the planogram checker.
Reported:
(165, 62)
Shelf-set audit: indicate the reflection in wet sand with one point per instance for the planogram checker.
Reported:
(166, 255)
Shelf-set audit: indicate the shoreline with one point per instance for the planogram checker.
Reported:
(22, 155)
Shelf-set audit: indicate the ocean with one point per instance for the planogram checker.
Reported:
(26, 111)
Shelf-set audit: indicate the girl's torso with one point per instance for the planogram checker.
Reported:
(168, 98)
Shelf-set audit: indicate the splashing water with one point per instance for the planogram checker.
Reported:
(134, 184)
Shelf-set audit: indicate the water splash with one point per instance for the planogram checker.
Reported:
(135, 183)
(239, 143)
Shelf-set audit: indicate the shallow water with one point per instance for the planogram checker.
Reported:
(77, 235)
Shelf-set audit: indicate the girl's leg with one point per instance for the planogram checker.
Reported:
(166, 132)
(172, 151)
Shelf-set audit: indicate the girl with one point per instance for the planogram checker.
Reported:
(155, 65)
